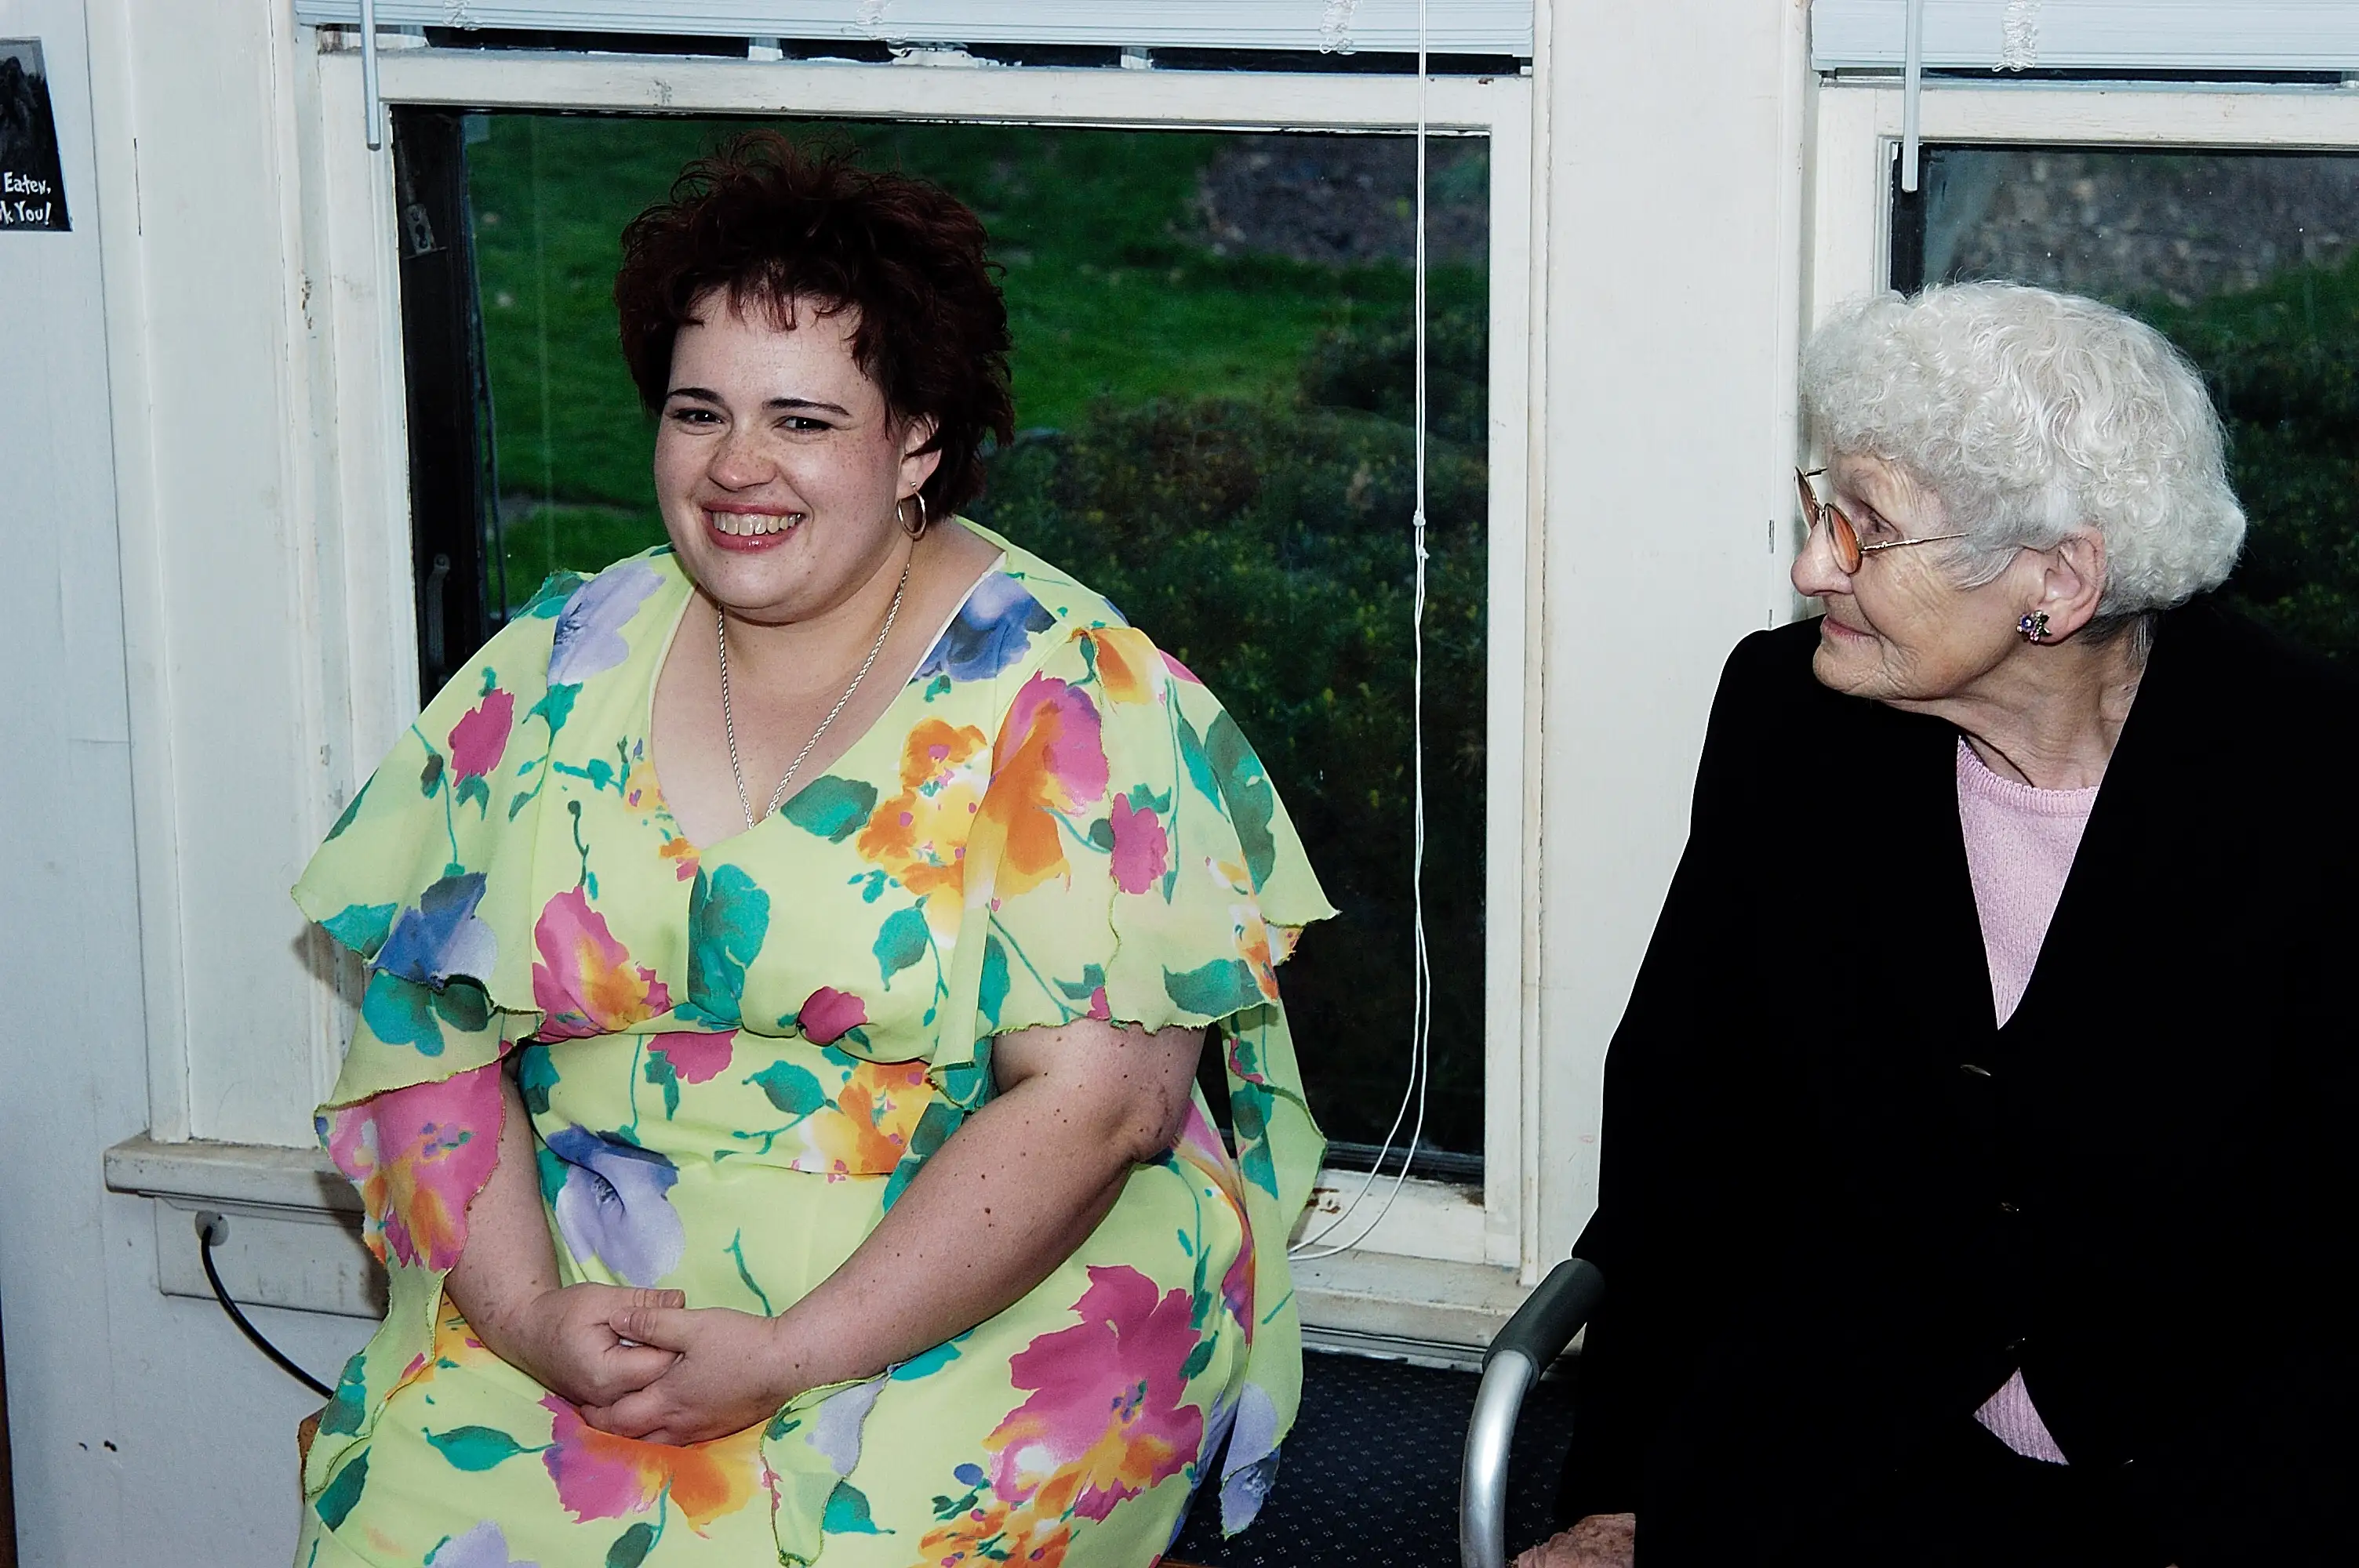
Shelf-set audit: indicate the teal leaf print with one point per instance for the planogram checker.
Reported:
(791, 1089)
(1198, 1359)
(933, 1129)
(631, 1547)
(472, 788)
(1082, 989)
(969, 1083)
(994, 993)
(1216, 990)
(399, 1013)
(554, 709)
(1100, 835)
(661, 1073)
(1245, 786)
(1249, 1106)
(429, 777)
(344, 1412)
(550, 598)
(834, 808)
(1200, 768)
(341, 1496)
(351, 810)
(476, 1447)
(536, 1076)
(361, 927)
(926, 1363)
(552, 1175)
(847, 1512)
(728, 918)
(901, 943)
(464, 1006)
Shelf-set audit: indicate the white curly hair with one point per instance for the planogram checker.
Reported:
(2033, 414)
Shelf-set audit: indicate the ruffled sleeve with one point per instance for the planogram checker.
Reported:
(1131, 861)
(428, 877)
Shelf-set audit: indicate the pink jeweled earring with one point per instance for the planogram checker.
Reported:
(2034, 626)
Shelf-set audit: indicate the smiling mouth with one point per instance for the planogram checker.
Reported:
(751, 524)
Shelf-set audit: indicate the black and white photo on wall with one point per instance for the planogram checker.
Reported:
(32, 181)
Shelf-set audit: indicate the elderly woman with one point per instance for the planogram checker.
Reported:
(789, 952)
(1978, 1153)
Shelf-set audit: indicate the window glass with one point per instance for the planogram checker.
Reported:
(1213, 379)
(2250, 262)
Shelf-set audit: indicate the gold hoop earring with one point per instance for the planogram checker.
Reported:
(924, 520)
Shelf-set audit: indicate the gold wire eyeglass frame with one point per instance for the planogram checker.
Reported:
(1842, 534)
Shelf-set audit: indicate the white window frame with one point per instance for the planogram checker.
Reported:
(1443, 1267)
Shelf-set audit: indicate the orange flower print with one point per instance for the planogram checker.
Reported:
(918, 836)
(1252, 934)
(1125, 663)
(601, 1476)
(1050, 761)
(993, 1532)
(585, 981)
(866, 1131)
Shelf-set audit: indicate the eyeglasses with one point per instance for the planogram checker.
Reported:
(1840, 533)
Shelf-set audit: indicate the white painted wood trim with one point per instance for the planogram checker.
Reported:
(1466, 26)
(2122, 35)
(1243, 101)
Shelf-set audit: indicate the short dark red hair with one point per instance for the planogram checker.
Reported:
(769, 224)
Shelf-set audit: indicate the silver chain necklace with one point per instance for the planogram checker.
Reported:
(729, 720)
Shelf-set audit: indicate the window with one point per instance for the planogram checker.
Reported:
(1211, 304)
(1212, 370)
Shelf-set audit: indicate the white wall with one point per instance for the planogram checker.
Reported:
(1675, 140)
(144, 1430)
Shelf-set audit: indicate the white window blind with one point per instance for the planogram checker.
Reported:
(2092, 35)
(1454, 27)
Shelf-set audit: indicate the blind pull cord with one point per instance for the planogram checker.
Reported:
(1312, 1247)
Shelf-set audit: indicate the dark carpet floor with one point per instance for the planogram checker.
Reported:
(1370, 1475)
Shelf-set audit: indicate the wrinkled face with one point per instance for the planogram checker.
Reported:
(778, 464)
(1899, 630)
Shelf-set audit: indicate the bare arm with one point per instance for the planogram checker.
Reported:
(505, 1284)
(1007, 1199)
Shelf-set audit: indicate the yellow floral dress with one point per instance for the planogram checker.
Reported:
(735, 1056)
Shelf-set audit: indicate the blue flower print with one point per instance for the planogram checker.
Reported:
(990, 633)
(589, 636)
(481, 1546)
(442, 936)
(611, 1206)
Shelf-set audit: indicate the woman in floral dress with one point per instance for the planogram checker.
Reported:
(797, 1159)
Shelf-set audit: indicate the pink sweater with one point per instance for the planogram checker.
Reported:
(2019, 847)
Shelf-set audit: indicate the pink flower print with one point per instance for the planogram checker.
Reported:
(697, 1058)
(586, 982)
(830, 1014)
(601, 1476)
(418, 1156)
(1106, 1421)
(1179, 669)
(1142, 850)
(481, 736)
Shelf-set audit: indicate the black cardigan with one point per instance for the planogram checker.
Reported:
(1839, 1205)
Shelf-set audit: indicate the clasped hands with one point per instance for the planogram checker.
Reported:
(643, 1364)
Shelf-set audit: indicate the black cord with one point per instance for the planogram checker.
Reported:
(212, 1231)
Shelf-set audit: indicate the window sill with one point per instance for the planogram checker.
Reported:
(294, 1241)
